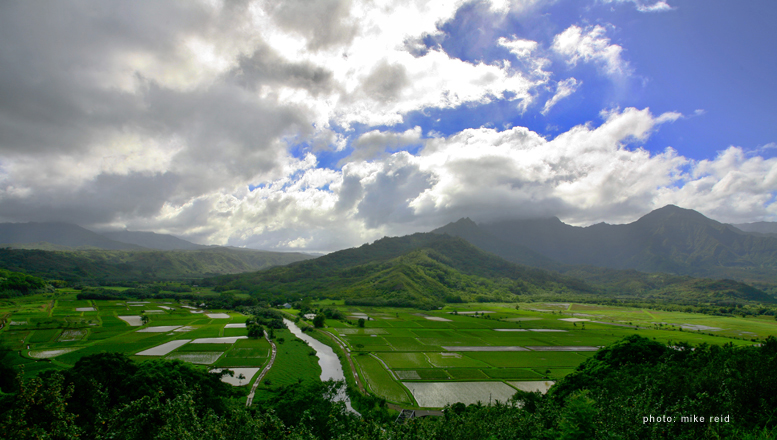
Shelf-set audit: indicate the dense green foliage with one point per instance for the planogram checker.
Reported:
(614, 394)
(16, 283)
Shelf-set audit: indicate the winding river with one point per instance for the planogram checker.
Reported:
(327, 359)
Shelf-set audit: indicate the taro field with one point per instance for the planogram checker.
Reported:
(54, 332)
(476, 352)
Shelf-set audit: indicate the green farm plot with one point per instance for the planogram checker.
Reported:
(512, 373)
(408, 344)
(43, 336)
(294, 360)
(204, 347)
(454, 360)
(433, 374)
(205, 331)
(72, 335)
(366, 341)
(506, 359)
(405, 360)
(380, 381)
(466, 374)
(246, 353)
(235, 332)
(14, 339)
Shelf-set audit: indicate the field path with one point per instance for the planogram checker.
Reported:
(250, 399)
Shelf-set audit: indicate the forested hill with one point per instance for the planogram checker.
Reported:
(669, 240)
(99, 265)
(426, 270)
(415, 270)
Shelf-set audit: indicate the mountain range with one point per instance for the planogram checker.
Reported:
(70, 252)
(429, 269)
(668, 240)
(66, 236)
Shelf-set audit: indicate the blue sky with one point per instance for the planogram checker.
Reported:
(318, 125)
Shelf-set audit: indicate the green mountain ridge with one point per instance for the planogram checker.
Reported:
(428, 269)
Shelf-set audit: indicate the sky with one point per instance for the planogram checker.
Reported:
(318, 125)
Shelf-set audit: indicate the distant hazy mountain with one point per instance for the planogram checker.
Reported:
(759, 227)
(670, 239)
(152, 240)
(148, 265)
(57, 236)
(516, 253)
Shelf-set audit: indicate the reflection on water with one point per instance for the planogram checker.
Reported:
(327, 359)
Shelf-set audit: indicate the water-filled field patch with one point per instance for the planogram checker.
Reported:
(438, 319)
(185, 328)
(433, 374)
(486, 348)
(85, 309)
(547, 330)
(562, 348)
(362, 331)
(237, 325)
(72, 335)
(222, 340)
(217, 315)
(407, 374)
(134, 321)
(161, 350)
(47, 354)
(201, 358)
(159, 329)
(439, 394)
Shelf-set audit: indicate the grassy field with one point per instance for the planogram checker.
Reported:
(54, 331)
(501, 344)
(295, 362)
(508, 343)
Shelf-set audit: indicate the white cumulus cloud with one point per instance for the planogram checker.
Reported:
(590, 44)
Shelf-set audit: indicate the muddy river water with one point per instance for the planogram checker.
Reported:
(327, 359)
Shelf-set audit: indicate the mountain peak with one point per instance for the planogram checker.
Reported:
(672, 211)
